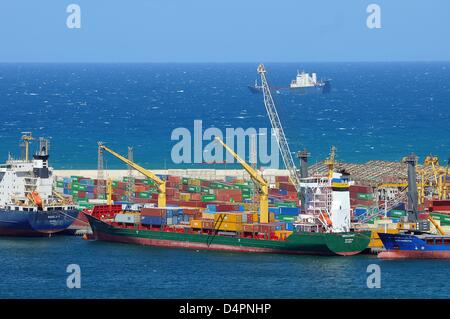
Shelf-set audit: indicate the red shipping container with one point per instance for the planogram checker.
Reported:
(226, 207)
(359, 202)
(287, 186)
(171, 191)
(282, 179)
(440, 205)
(81, 194)
(153, 211)
(204, 183)
(192, 204)
(195, 196)
(360, 189)
(174, 179)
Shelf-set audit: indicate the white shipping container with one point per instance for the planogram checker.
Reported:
(126, 218)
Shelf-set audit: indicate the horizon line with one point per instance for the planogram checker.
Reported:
(220, 62)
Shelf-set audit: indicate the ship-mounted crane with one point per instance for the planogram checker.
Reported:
(331, 162)
(263, 185)
(27, 137)
(160, 184)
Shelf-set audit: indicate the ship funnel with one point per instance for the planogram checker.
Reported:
(43, 147)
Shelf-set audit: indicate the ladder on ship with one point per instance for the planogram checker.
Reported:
(216, 228)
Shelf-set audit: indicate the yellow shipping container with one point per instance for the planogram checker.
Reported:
(208, 215)
(229, 217)
(255, 217)
(185, 196)
(231, 226)
(194, 181)
(271, 217)
(195, 223)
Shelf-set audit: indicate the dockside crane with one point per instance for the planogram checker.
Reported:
(160, 184)
(263, 185)
(278, 130)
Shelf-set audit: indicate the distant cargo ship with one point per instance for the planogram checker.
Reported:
(303, 83)
(28, 205)
(424, 246)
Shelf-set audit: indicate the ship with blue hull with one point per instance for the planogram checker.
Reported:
(415, 246)
(28, 204)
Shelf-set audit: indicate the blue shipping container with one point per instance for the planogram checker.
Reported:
(152, 220)
(359, 211)
(293, 211)
(289, 226)
(275, 210)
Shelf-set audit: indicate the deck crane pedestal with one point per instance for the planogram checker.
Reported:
(160, 184)
(263, 185)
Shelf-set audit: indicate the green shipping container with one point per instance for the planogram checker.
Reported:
(286, 204)
(246, 196)
(373, 219)
(216, 185)
(397, 213)
(194, 189)
(143, 195)
(148, 182)
(286, 218)
(60, 184)
(185, 180)
(443, 218)
(364, 196)
(208, 198)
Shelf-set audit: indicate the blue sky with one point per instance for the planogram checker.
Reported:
(224, 31)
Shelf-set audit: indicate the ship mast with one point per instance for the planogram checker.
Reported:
(26, 138)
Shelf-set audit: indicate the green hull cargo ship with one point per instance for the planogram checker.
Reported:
(185, 236)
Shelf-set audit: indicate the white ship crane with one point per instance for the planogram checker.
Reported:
(278, 130)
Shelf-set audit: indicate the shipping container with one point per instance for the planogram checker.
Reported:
(444, 219)
(229, 217)
(208, 198)
(126, 218)
(294, 211)
(153, 220)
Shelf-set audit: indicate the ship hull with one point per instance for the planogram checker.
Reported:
(344, 244)
(40, 223)
(402, 246)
